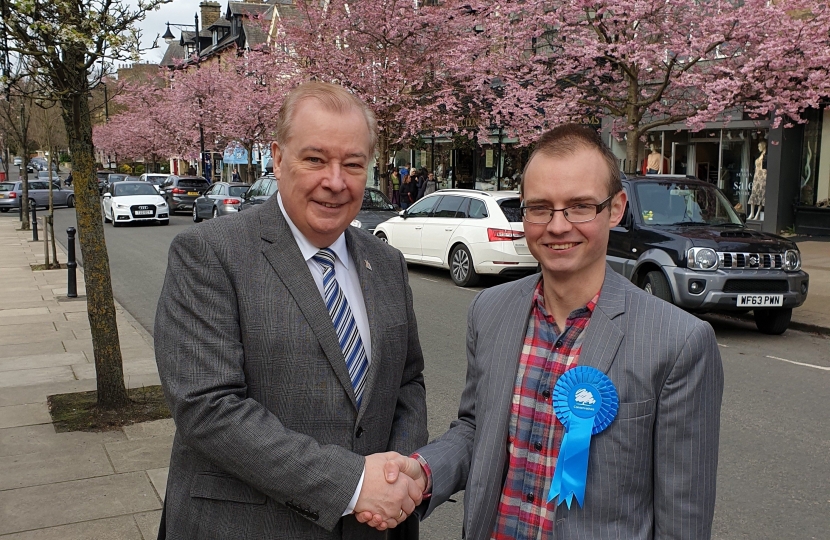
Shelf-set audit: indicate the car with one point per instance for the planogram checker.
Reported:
(181, 191)
(44, 175)
(154, 178)
(39, 164)
(18, 161)
(129, 202)
(12, 192)
(221, 199)
(376, 209)
(260, 191)
(467, 231)
(682, 241)
(102, 176)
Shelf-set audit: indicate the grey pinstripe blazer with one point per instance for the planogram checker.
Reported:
(269, 443)
(651, 473)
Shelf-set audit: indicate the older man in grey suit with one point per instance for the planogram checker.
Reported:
(288, 349)
(651, 473)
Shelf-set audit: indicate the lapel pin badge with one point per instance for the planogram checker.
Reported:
(369, 266)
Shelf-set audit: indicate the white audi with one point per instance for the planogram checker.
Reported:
(469, 232)
(126, 202)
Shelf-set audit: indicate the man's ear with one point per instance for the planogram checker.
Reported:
(617, 208)
(276, 156)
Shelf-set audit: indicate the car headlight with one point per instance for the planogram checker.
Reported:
(121, 206)
(702, 259)
(162, 204)
(356, 223)
(792, 260)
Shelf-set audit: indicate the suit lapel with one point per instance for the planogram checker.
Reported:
(284, 256)
(358, 253)
(603, 335)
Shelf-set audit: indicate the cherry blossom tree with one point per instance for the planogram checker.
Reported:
(646, 63)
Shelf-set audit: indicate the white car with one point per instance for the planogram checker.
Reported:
(154, 178)
(469, 232)
(134, 201)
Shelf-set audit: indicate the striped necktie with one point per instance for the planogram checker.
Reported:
(344, 324)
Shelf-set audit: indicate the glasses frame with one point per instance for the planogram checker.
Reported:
(599, 207)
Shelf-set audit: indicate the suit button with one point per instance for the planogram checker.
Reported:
(314, 516)
(530, 497)
(359, 432)
(537, 446)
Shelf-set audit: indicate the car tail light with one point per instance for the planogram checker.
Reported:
(503, 235)
(230, 201)
(178, 191)
(12, 195)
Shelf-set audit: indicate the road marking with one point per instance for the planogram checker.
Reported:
(432, 280)
(722, 345)
(823, 368)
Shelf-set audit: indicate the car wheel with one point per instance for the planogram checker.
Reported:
(773, 321)
(70, 201)
(657, 285)
(196, 218)
(461, 267)
(382, 237)
(112, 218)
(215, 213)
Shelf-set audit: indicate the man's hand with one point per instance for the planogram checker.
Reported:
(411, 469)
(386, 497)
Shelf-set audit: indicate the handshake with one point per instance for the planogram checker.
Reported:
(387, 498)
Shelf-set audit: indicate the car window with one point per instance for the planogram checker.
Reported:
(448, 206)
(271, 188)
(677, 204)
(7, 186)
(37, 185)
(254, 189)
(478, 209)
(212, 191)
(124, 190)
(237, 191)
(375, 200)
(512, 209)
(193, 182)
(56, 185)
(464, 209)
(422, 208)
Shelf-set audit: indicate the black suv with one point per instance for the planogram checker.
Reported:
(681, 241)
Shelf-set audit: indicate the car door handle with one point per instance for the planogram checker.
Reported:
(418, 227)
(448, 228)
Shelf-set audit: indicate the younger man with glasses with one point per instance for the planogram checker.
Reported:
(651, 472)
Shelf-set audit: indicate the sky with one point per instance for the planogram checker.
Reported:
(177, 11)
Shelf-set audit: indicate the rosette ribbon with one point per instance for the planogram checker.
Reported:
(586, 402)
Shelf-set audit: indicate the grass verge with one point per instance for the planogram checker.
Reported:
(78, 411)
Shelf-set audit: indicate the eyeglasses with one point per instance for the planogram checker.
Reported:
(578, 213)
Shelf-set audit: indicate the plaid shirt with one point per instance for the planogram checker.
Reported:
(535, 433)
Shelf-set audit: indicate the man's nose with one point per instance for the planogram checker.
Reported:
(558, 224)
(335, 178)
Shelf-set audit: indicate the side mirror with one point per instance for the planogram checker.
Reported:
(743, 217)
(402, 213)
(107, 195)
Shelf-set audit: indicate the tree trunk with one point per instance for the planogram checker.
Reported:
(100, 303)
(250, 174)
(632, 150)
(383, 149)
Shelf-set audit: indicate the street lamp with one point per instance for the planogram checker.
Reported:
(169, 38)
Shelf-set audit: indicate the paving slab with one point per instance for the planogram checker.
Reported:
(34, 361)
(60, 465)
(158, 477)
(42, 438)
(8, 316)
(24, 415)
(118, 528)
(146, 430)
(52, 346)
(148, 523)
(37, 376)
(140, 455)
(51, 505)
(38, 393)
(26, 337)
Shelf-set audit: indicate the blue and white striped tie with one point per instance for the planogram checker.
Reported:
(344, 324)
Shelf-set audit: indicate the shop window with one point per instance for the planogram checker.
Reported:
(809, 158)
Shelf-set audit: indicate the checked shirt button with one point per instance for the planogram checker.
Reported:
(530, 497)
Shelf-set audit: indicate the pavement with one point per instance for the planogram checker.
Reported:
(73, 486)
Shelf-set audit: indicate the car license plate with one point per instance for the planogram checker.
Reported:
(760, 300)
(2, 196)
(143, 212)
(196, 193)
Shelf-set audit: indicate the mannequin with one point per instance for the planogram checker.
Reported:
(759, 184)
(654, 161)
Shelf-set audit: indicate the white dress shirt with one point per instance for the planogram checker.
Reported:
(347, 278)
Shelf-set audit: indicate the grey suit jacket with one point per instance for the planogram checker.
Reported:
(651, 473)
(269, 443)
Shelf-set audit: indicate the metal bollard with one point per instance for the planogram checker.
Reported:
(71, 265)
(34, 223)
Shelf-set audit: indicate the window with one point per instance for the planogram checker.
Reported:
(478, 209)
(422, 208)
(448, 206)
(255, 189)
(375, 200)
(271, 187)
(464, 209)
(238, 191)
(512, 209)
(37, 185)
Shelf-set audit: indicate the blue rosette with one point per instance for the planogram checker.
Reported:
(586, 402)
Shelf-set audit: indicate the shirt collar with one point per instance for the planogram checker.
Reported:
(308, 249)
(539, 303)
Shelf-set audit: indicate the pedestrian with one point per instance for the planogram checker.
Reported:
(639, 388)
(404, 171)
(430, 184)
(235, 176)
(395, 186)
(68, 181)
(422, 183)
(409, 192)
(279, 413)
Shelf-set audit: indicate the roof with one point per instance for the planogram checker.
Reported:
(255, 35)
(663, 177)
(494, 194)
(220, 22)
(175, 52)
(247, 8)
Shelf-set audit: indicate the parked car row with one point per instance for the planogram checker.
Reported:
(11, 193)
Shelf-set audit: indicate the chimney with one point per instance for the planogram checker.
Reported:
(211, 11)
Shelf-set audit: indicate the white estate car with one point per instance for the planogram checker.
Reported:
(470, 232)
(134, 201)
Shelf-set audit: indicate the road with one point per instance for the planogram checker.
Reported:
(775, 435)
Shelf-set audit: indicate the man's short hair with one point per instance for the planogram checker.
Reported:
(332, 97)
(566, 140)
